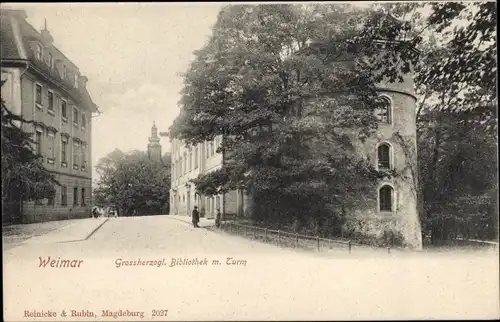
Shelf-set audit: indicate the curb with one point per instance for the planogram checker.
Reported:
(96, 229)
(88, 236)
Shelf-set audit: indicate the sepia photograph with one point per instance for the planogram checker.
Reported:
(249, 161)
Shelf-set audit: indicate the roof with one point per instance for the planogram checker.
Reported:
(10, 54)
(8, 48)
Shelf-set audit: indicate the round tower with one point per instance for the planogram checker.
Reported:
(390, 211)
(393, 147)
(154, 146)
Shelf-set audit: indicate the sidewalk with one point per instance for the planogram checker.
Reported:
(51, 232)
(203, 221)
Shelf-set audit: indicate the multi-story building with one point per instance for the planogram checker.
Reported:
(187, 163)
(46, 87)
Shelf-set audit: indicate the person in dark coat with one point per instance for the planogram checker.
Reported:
(195, 217)
(95, 213)
(217, 218)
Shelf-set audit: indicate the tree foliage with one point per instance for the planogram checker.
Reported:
(289, 113)
(24, 177)
(132, 183)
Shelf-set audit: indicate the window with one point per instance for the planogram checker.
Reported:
(51, 61)
(84, 156)
(385, 198)
(383, 111)
(39, 53)
(75, 196)
(196, 157)
(180, 168)
(190, 159)
(64, 196)
(76, 81)
(50, 101)
(185, 163)
(75, 116)
(211, 145)
(51, 201)
(51, 145)
(214, 146)
(64, 110)
(38, 142)
(384, 156)
(64, 149)
(64, 72)
(84, 121)
(207, 145)
(38, 95)
(76, 159)
(83, 197)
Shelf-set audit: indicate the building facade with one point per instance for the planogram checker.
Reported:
(188, 162)
(44, 86)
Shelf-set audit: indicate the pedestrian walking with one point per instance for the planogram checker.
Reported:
(95, 213)
(217, 218)
(195, 217)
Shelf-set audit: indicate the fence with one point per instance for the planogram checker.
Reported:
(293, 240)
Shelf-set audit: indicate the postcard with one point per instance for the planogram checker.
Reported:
(249, 161)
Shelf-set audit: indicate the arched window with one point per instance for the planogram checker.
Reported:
(385, 198)
(384, 161)
(384, 110)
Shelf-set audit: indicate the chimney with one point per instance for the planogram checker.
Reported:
(47, 37)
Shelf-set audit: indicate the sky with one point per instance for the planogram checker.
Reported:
(132, 55)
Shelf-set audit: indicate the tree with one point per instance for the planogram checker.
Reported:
(457, 116)
(24, 178)
(132, 183)
(259, 84)
(459, 168)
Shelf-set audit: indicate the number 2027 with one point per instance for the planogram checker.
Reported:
(159, 312)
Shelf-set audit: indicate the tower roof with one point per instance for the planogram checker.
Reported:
(154, 134)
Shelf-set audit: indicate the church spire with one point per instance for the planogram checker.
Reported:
(154, 131)
(154, 146)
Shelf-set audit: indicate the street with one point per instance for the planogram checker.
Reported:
(251, 281)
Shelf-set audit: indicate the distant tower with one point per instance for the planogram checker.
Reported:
(154, 146)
